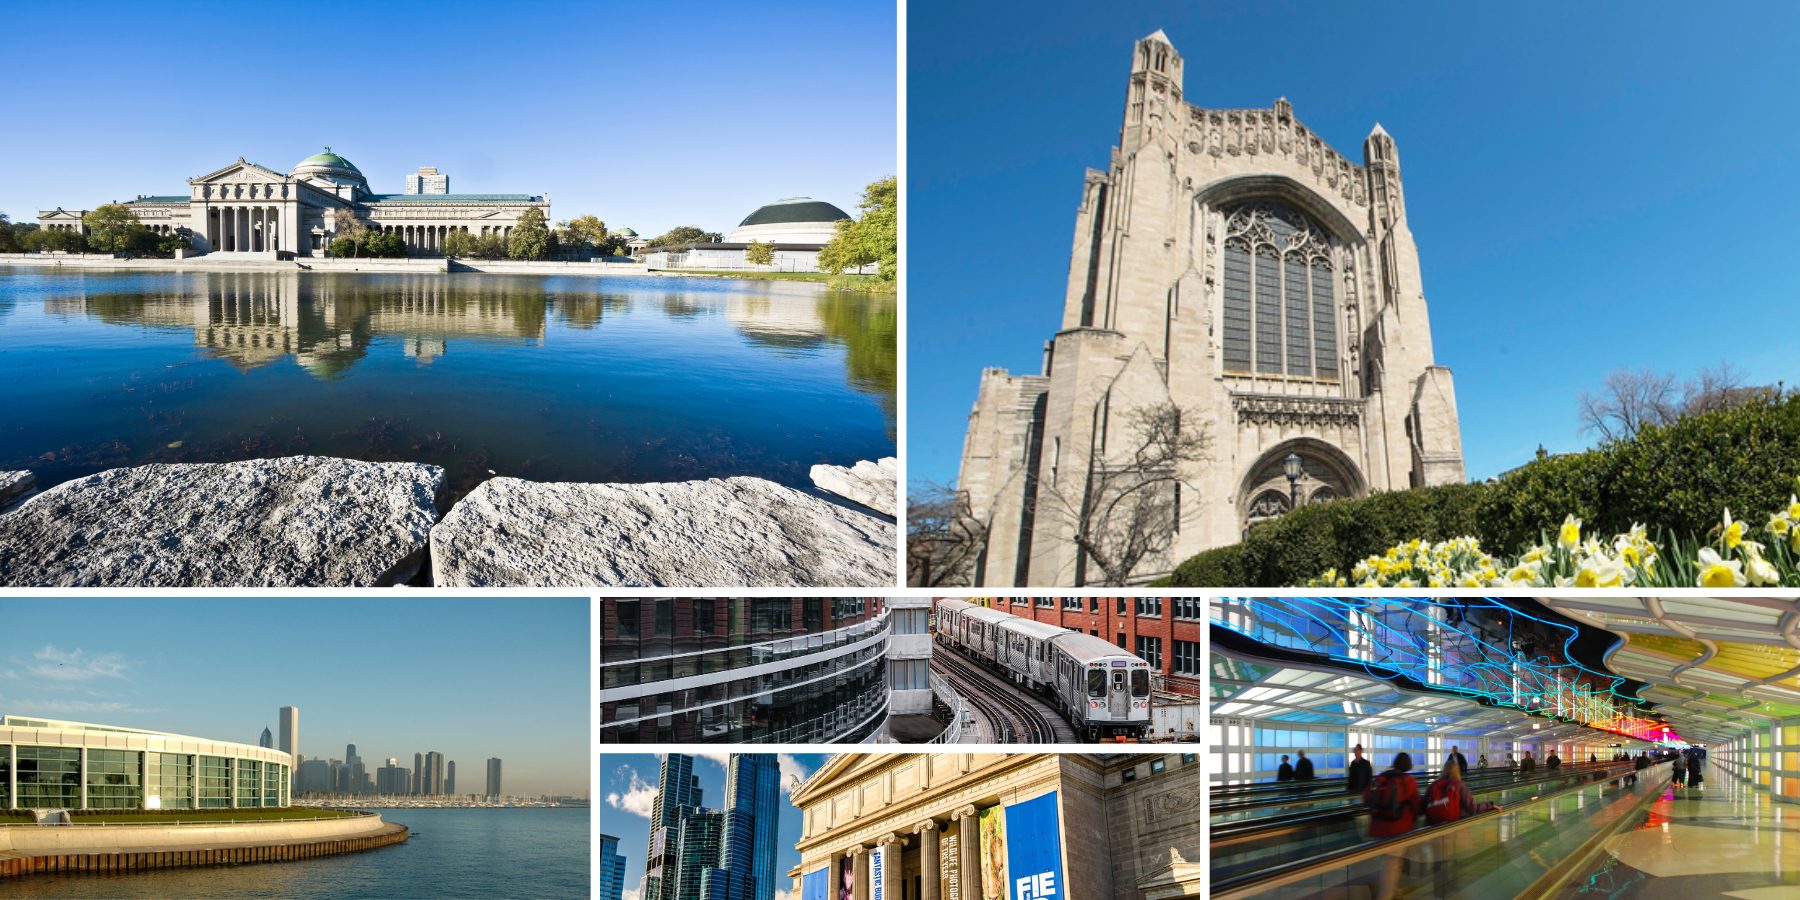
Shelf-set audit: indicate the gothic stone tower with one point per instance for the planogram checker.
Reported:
(1232, 266)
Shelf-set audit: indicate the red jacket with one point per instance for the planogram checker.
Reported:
(1409, 789)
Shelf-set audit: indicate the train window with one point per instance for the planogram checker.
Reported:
(1118, 680)
(1096, 682)
(1140, 682)
(1040, 652)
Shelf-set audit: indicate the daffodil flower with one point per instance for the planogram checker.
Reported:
(1570, 533)
(1717, 572)
(1733, 533)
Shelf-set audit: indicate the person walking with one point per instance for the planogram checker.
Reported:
(1303, 768)
(1394, 804)
(1447, 800)
(1695, 779)
(1680, 779)
(1462, 762)
(1552, 762)
(1511, 763)
(1527, 764)
(1637, 765)
(1592, 759)
(1360, 773)
(1481, 761)
(1286, 772)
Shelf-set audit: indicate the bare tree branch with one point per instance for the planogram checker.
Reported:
(944, 540)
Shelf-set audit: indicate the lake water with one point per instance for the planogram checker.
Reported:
(452, 853)
(546, 378)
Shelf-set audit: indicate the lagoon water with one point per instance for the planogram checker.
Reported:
(487, 853)
(559, 378)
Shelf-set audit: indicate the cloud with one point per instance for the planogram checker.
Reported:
(780, 894)
(639, 799)
(630, 894)
(64, 707)
(70, 666)
(792, 772)
(718, 756)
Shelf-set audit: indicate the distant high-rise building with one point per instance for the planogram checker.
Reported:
(493, 793)
(677, 787)
(428, 180)
(314, 775)
(612, 865)
(290, 733)
(434, 774)
(418, 775)
(450, 778)
(391, 780)
(752, 812)
(267, 739)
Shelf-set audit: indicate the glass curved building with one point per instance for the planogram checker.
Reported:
(50, 764)
(756, 670)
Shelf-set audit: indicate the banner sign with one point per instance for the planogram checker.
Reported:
(847, 887)
(993, 852)
(950, 863)
(816, 885)
(877, 862)
(1034, 850)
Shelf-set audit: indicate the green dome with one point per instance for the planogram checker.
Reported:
(329, 159)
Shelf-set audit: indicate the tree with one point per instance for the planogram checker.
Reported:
(1123, 510)
(490, 246)
(109, 227)
(682, 237)
(944, 540)
(53, 239)
(873, 239)
(459, 243)
(530, 238)
(585, 231)
(759, 253)
(346, 226)
(9, 240)
(1631, 400)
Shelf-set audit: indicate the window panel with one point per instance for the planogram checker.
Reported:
(1268, 312)
(1299, 324)
(1237, 308)
(1324, 321)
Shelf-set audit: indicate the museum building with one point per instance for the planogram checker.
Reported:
(51, 764)
(251, 211)
(957, 826)
(744, 670)
(1232, 276)
(798, 227)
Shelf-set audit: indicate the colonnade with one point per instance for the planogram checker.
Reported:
(80, 228)
(963, 883)
(244, 229)
(430, 238)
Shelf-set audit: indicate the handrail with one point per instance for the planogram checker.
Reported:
(1327, 789)
(80, 824)
(1353, 806)
(940, 686)
(1285, 873)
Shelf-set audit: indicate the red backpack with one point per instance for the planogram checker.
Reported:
(1443, 803)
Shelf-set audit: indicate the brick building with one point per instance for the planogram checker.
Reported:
(1165, 631)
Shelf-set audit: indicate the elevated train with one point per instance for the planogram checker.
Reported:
(1102, 690)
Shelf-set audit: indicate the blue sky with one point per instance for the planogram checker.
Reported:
(628, 791)
(506, 677)
(649, 117)
(1592, 186)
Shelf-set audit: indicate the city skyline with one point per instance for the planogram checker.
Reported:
(628, 798)
(505, 678)
(570, 81)
(1539, 176)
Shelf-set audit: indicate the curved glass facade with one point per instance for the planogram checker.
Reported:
(762, 670)
(48, 764)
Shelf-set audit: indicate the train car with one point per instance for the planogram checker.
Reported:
(952, 627)
(1105, 691)
(984, 642)
(1023, 651)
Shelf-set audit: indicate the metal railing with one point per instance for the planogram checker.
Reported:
(940, 688)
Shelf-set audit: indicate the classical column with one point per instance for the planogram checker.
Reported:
(968, 845)
(859, 860)
(930, 868)
(890, 845)
(256, 229)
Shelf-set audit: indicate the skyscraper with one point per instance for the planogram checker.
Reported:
(493, 794)
(418, 775)
(691, 866)
(267, 739)
(677, 787)
(752, 812)
(450, 778)
(290, 733)
(434, 774)
(612, 862)
(391, 780)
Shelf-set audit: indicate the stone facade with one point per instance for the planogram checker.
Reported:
(254, 212)
(1123, 819)
(1233, 266)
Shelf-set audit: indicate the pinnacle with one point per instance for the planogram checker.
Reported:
(1158, 35)
(1379, 130)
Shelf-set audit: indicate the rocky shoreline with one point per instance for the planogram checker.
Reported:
(314, 521)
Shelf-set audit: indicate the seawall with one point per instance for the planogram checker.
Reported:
(39, 849)
(319, 264)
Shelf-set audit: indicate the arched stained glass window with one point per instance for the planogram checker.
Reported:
(1280, 315)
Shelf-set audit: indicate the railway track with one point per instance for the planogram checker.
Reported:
(1020, 717)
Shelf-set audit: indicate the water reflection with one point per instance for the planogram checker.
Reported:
(561, 378)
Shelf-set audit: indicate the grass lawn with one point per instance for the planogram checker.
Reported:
(170, 816)
(9, 817)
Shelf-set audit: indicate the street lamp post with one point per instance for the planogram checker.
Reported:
(1291, 466)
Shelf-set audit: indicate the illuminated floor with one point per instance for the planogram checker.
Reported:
(1723, 839)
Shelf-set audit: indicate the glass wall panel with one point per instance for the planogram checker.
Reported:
(171, 780)
(49, 778)
(271, 785)
(112, 780)
(215, 782)
(249, 782)
(5, 776)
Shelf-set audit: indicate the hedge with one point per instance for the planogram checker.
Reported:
(1674, 478)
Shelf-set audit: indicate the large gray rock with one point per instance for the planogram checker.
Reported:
(874, 485)
(14, 485)
(298, 521)
(723, 532)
